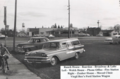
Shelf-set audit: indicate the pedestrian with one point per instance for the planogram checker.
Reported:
(4, 53)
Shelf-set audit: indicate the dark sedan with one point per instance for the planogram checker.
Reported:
(32, 44)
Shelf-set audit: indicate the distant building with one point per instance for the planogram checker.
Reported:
(108, 33)
(53, 31)
(94, 31)
(39, 31)
(7, 27)
(64, 32)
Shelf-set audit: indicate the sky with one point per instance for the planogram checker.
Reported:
(83, 13)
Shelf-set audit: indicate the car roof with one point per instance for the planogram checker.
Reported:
(117, 35)
(64, 40)
(61, 40)
(38, 37)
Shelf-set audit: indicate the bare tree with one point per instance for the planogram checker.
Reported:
(111, 28)
(117, 28)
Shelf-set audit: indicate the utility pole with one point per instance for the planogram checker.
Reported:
(15, 17)
(68, 18)
(5, 21)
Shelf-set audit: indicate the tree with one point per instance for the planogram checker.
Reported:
(111, 28)
(9, 32)
(58, 26)
(117, 28)
(55, 26)
(61, 27)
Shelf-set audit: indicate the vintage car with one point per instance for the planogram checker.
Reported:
(2, 36)
(56, 50)
(32, 44)
(113, 40)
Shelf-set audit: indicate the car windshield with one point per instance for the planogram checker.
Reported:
(51, 45)
(37, 40)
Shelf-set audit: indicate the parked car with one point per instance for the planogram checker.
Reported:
(2, 36)
(114, 39)
(32, 44)
(56, 50)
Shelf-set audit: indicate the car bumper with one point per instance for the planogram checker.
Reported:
(37, 60)
(108, 41)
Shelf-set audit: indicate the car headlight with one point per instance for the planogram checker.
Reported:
(41, 54)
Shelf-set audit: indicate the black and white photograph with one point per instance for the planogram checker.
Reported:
(59, 39)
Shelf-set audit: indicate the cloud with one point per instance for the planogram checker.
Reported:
(110, 18)
(32, 14)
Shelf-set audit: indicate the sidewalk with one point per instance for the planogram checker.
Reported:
(17, 71)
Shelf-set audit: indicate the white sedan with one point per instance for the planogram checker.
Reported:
(114, 39)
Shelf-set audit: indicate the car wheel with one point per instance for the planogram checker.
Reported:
(53, 61)
(76, 55)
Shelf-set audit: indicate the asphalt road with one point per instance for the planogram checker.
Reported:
(97, 53)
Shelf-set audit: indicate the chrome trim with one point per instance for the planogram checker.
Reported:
(37, 61)
(62, 52)
(34, 57)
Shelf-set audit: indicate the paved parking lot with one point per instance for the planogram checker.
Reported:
(97, 53)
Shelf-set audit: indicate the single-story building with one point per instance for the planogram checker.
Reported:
(107, 33)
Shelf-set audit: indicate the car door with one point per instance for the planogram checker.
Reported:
(63, 51)
(119, 39)
(77, 46)
(70, 50)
